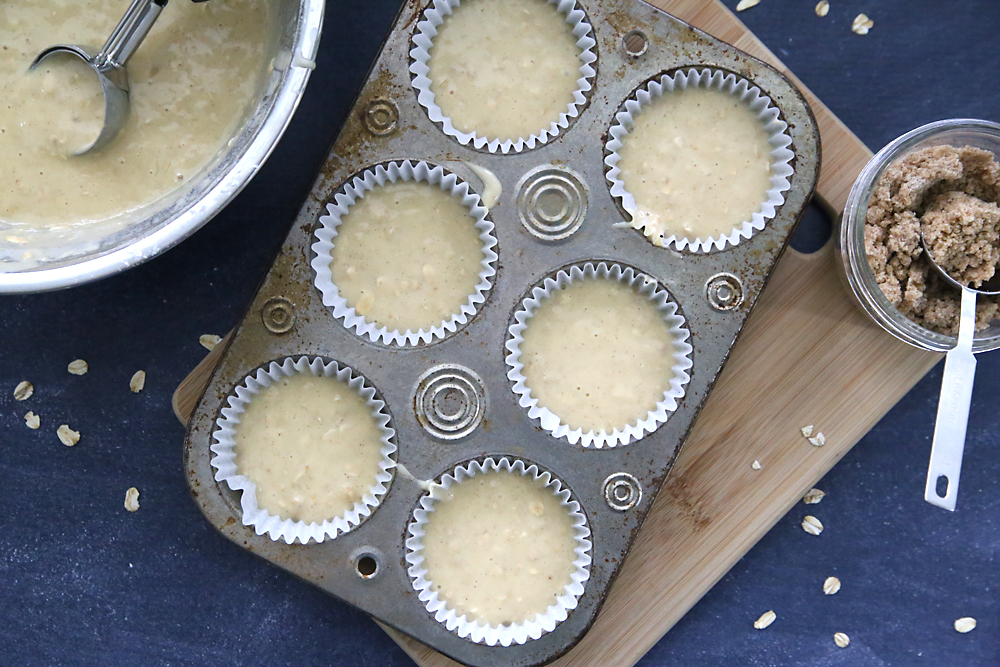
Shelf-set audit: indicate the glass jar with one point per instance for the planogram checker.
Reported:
(850, 232)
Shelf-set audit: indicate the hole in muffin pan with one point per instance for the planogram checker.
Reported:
(635, 43)
(366, 566)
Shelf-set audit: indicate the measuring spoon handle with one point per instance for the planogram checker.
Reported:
(953, 411)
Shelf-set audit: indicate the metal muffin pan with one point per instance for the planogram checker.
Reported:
(615, 486)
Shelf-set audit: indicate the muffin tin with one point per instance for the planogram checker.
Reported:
(450, 401)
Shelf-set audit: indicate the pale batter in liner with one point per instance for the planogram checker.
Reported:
(503, 74)
(609, 360)
(699, 160)
(499, 552)
(406, 256)
(192, 84)
(308, 445)
(430, 304)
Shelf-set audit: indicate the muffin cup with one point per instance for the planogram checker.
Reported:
(645, 286)
(749, 94)
(427, 30)
(224, 461)
(480, 633)
(326, 234)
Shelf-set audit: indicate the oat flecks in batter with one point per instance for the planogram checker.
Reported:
(311, 445)
(598, 355)
(925, 187)
(698, 164)
(407, 256)
(499, 547)
(504, 69)
(191, 84)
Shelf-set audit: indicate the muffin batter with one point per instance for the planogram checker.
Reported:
(311, 446)
(499, 548)
(698, 163)
(192, 84)
(407, 256)
(504, 69)
(598, 355)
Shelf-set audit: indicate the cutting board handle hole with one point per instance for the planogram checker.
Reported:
(814, 230)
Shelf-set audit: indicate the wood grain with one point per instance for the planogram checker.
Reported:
(807, 356)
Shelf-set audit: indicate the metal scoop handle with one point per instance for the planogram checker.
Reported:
(130, 33)
(953, 410)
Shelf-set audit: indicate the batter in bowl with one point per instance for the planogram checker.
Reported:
(504, 69)
(698, 163)
(499, 548)
(193, 82)
(598, 355)
(407, 256)
(312, 447)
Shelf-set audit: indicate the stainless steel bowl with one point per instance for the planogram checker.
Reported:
(292, 53)
(850, 235)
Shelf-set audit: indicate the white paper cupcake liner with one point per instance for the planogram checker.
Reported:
(224, 461)
(423, 38)
(327, 233)
(749, 94)
(644, 285)
(481, 633)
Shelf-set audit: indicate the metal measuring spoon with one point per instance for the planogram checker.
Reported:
(956, 394)
(109, 63)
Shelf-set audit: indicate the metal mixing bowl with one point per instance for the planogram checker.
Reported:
(291, 54)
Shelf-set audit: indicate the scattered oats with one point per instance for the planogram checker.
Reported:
(746, 4)
(23, 390)
(819, 440)
(68, 436)
(209, 341)
(766, 619)
(807, 431)
(812, 525)
(862, 24)
(813, 496)
(831, 585)
(137, 382)
(132, 499)
(965, 624)
(32, 420)
(823, 8)
(78, 367)
(19, 240)
(841, 640)
(755, 465)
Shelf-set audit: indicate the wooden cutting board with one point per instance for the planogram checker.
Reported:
(808, 355)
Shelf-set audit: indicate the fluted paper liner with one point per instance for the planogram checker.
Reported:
(643, 285)
(326, 234)
(224, 461)
(423, 39)
(481, 633)
(757, 101)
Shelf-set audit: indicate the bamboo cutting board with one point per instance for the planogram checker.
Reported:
(807, 355)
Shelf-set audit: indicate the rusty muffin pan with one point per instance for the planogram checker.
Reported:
(438, 428)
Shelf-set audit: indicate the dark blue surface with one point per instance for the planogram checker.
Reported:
(82, 582)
